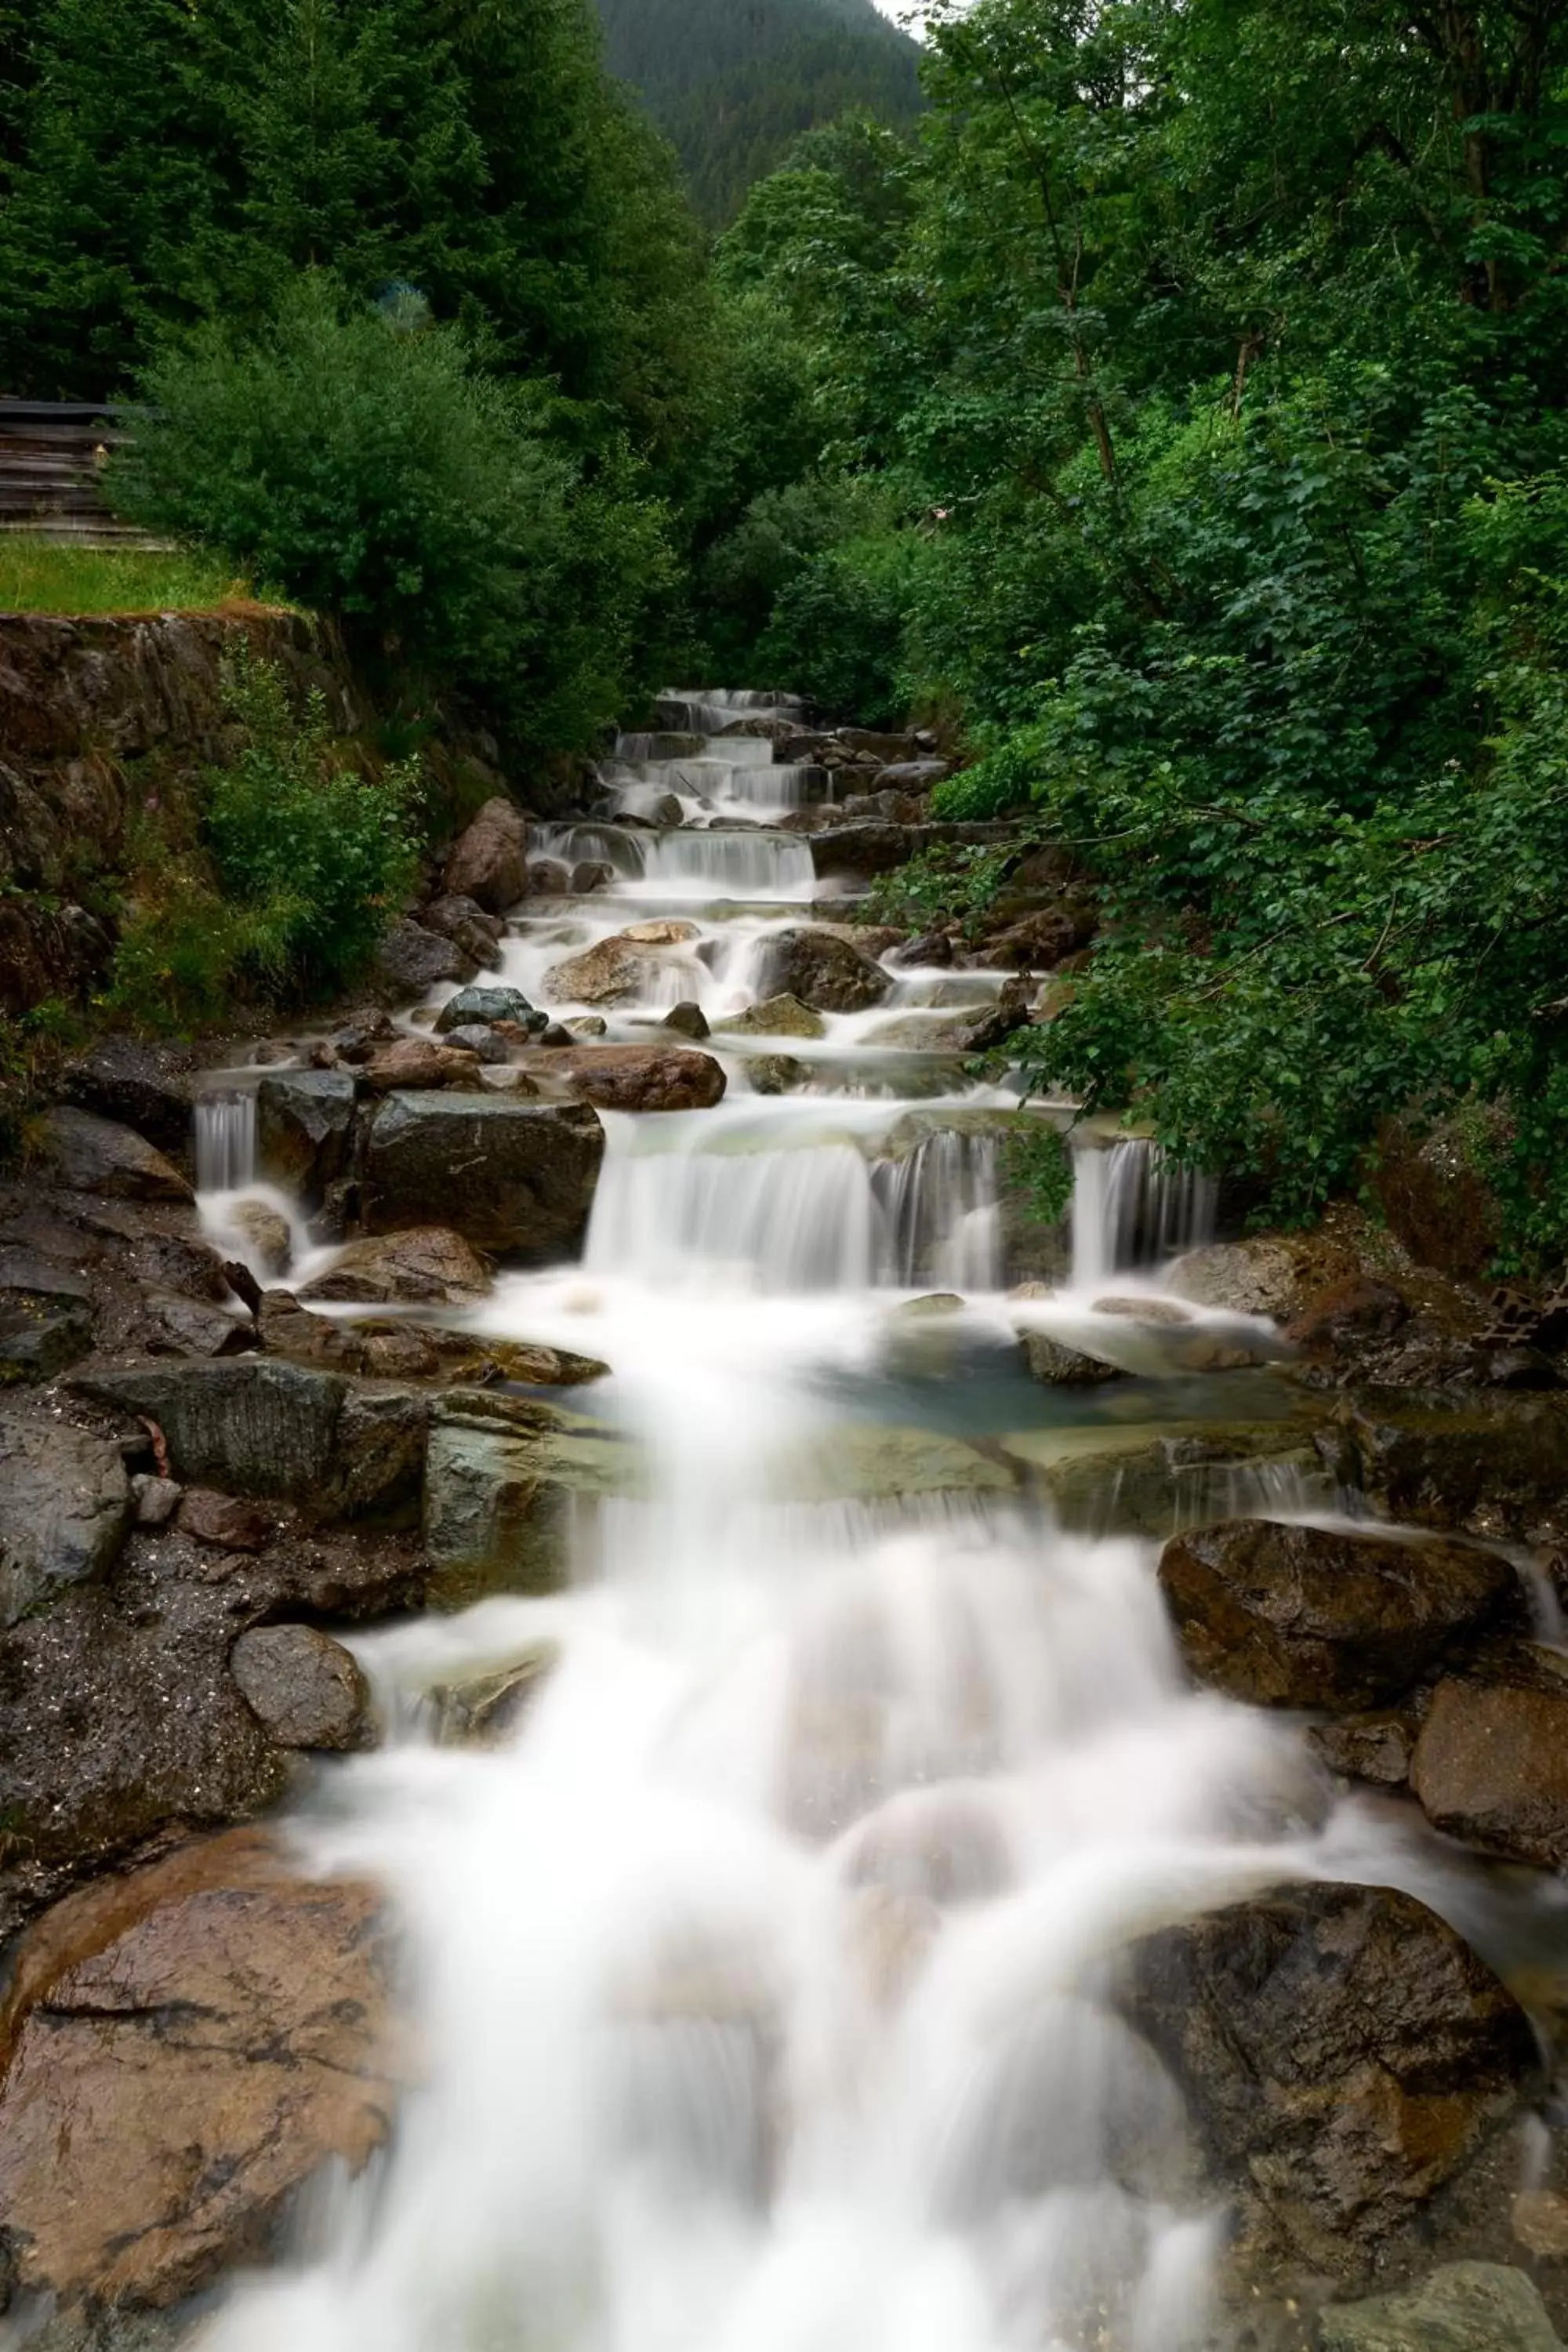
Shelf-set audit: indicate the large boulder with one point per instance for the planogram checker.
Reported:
(503, 1479)
(144, 1087)
(489, 861)
(824, 970)
(65, 1508)
(420, 1062)
(1285, 1615)
(305, 1687)
(1491, 1764)
(618, 971)
(1477, 1459)
(1461, 2307)
(428, 1265)
(253, 1427)
(1258, 1276)
(510, 1176)
(486, 1006)
(187, 2047)
(1345, 2057)
(303, 1119)
(88, 1154)
(776, 1016)
(632, 1078)
(413, 959)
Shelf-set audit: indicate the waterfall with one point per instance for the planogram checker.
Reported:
(1133, 1206)
(683, 863)
(225, 1142)
(817, 1213)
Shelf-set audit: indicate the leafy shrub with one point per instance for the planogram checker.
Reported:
(835, 633)
(281, 886)
(360, 461)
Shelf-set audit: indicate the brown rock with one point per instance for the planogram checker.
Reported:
(225, 1521)
(1375, 1747)
(1491, 1767)
(1037, 942)
(306, 1688)
(1345, 2054)
(1492, 1462)
(632, 1078)
(489, 862)
(420, 1062)
(616, 970)
(426, 1266)
(187, 2046)
(266, 1234)
(822, 970)
(1283, 1616)
(89, 1154)
(1358, 1307)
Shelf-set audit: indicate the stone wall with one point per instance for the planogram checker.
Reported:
(93, 712)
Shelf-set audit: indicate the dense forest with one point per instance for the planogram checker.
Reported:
(733, 82)
(1173, 411)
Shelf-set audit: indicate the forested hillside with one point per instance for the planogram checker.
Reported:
(732, 83)
(1191, 394)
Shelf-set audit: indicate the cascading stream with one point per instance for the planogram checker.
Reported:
(760, 1978)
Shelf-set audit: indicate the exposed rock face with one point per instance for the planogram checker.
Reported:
(1462, 2307)
(142, 1086)
(256, 1427)
(632, 1078)
(510, 1176)
(1344, 2055)
(1256, 1276)
(489, 859)
(1039, 941)
(306, 1688)
(420, 1062)
(413, 959)
(778, 1016)
(429, 1265)
(95, 1155)
(1492, 1765)
(65, 1506)
(79, 698)
(1489, 1462)
(187, 2046)
(822, 970)
(302, 1122)
(616, 972)
(876, 848)
(487, 1006)
(1296, 1616)
(501, 1478)
(113, 1729)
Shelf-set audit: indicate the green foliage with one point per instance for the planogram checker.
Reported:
(947, 883)
(734, 86)
(374, 473)
(1211, 352)
(1037, 1161)
(298, 860)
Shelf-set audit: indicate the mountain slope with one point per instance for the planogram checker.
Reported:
(733, 82)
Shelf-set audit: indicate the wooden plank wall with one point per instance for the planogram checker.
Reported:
(51, 458)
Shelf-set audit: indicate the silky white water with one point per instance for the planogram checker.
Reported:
(760, 1984)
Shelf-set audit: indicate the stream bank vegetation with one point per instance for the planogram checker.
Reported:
(1212, 358)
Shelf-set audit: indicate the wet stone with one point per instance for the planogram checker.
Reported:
(306, 1688)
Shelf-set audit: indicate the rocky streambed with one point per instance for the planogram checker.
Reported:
(624, 1688)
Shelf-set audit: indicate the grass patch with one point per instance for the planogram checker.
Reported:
(37, 576)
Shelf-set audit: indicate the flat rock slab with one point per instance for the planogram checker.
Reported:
(187, 2046)
(512, 1177)
(428, 1266)
(631, 1077)
(1285, 1615)
(65, 1510)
